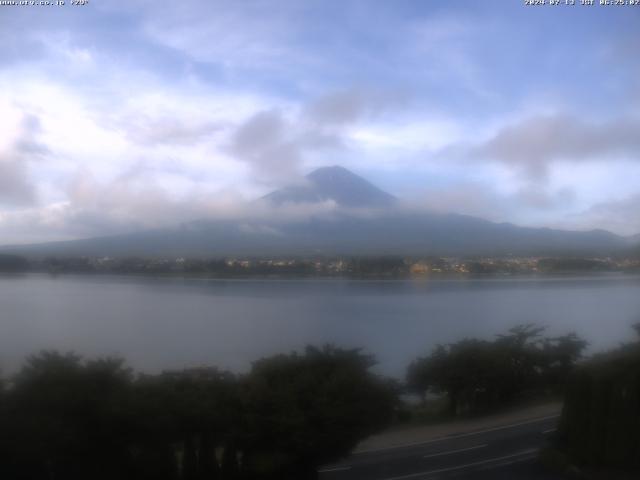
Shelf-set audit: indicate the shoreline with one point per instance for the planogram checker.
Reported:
(440, 278)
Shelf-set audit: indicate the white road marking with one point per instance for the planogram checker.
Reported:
(454, 436)
(474, 464)
(335, 469)
(551, 430)
(450, 452)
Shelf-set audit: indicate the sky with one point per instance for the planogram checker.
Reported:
(118, 116)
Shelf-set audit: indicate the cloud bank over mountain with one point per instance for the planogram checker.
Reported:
(336, 212)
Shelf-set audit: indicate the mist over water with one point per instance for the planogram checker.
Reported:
(169, 323)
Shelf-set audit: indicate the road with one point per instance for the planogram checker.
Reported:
(503, 452)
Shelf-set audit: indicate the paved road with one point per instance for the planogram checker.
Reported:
(505, 452)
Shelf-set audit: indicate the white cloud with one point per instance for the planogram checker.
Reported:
(535, 143)
(20, 149)
(618, 215)
(251, 34)
(410, 136)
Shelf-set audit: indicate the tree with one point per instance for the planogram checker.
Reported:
(469, 372)
(310, 409)
(182, 418)
(478, 375)
(600, 422)
(560, 356)
(65, 418)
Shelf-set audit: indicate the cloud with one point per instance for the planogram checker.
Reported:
(265, 142)
(278, 144)
(131, 202)
(21, 149)
(465, 198)
(417, 136)
(136, 202)
(183, 131)
(251, 34)
(167, 109)
(619, 215)
(539, 198)
(529, 206)
(15, 188)
(445, 49)
(535, 143)
(351, 106)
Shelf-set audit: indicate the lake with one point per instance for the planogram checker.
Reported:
(160, 323)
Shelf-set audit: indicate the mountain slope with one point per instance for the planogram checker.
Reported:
(372, 223)
(342, 233)
(335, 183)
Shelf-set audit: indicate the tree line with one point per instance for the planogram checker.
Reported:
(63, 417)
(479, 375)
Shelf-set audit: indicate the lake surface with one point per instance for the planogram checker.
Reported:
(159, 323)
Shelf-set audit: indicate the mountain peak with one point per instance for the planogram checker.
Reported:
(331, 170)
(334, 183)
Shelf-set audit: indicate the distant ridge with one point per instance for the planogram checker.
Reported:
(334, 183)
